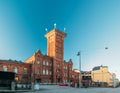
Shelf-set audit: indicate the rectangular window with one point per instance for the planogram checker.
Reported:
(37, 71)
(50, 72)
(43, 72)
(66, 67)
(25, 70)
(46, 72)
(5, 68)
(50, 63)
(44, 62)
(58, 65)
(15, 70)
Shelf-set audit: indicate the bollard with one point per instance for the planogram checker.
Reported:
(12, 85)
(32, 86)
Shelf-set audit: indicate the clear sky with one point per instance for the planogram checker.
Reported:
(91, 25)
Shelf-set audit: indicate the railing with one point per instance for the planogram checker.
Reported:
(23, 86)
(49, 83)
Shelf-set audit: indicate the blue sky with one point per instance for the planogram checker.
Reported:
(91, 25)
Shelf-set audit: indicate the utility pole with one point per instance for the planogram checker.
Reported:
(79, 54)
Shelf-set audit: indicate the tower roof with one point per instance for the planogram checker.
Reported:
(55, 31)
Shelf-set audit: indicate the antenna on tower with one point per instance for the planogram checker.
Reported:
(46, 29)
(54, 25)
(64, 29)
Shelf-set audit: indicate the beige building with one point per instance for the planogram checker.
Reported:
(102, 74)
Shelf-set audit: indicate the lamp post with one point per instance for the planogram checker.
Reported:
(79, 68)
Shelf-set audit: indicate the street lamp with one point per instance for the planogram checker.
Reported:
(79, 68)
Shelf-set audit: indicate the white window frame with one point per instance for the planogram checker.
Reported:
(43, 71)
(44, 62)
(5, 68)
(15, 69)
(46, 71)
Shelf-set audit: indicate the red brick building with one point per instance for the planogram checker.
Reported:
(50, 68)
(21, 69)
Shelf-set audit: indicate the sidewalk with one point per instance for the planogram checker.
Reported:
(12, 91)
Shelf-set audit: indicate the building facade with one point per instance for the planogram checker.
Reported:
(21, 69)
(50, 68)
(101, 75)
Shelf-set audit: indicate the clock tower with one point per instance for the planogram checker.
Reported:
(55, 49)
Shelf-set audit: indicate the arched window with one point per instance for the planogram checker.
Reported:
(25, 70)
(5, 68)
(15, 69)
(38, 58)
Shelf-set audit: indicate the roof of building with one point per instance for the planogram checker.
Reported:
(98, 67)
(86, 72)
(12, 61)
(76, 70)
(56, 30)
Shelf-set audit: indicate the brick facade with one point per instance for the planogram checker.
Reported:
(21, 69)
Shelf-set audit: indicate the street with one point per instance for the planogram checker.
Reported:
(67, 89)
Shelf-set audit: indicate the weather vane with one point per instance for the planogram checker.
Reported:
(46, 29)
(54, 25)
(64, 29)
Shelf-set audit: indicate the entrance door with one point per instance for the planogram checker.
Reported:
(38, 80)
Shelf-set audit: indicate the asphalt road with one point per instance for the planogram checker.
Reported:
(67, 89)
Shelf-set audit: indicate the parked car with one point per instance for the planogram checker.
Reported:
(63, 84)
